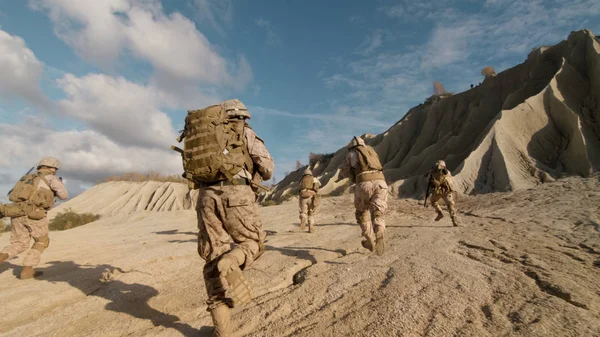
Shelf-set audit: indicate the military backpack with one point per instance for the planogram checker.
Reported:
(27, 189)
(214, 146)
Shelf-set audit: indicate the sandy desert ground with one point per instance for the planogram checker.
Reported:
(525, 263)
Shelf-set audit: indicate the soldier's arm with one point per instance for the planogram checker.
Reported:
(346, 166)
(260, 155)
(57, 187)
(316, 184)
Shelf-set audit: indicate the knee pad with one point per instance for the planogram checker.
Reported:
(41, 243)
(377, 214)
(361, 217)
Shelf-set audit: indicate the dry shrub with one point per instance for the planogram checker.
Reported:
(488, 71)
(69, 219)
(267, 203)
(151, 176)
(438, 88)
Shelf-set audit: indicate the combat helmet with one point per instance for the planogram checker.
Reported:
(440, 164)
(235, 108)
(50, 162)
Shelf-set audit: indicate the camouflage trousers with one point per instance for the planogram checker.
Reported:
(307, 208)
(226, 215)
(370, 201)
(448, 198)
(23, 230)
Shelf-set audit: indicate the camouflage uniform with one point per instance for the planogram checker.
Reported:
(308, 200)
(442, 186)
(228, 213)
(370, 195)
(23, 229)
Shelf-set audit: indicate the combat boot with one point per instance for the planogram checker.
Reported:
(439, 216)
(28, 273)
(232, 277)
(380, 245)
(3, 257)
(221, 320)
(455, 222)
(368, 243)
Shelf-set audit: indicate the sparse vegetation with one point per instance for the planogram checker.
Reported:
(69, 219)
(267, 203)
(150, 176)
(438, 88)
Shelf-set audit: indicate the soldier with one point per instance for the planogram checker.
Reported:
(308, 200)
(227, 211)
(442, 187)
(362, 167)
(32, 197)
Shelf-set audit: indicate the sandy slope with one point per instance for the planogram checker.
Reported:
(525, 263)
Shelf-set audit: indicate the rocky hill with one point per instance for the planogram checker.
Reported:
(530, 124)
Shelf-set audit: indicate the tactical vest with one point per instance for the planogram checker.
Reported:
(28, 189)
(441, 183)
(368, 160)
(215, 147)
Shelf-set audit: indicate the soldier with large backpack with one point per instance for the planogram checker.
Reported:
(308, 199)
(32, 197)
(225, 159)
(363, 168)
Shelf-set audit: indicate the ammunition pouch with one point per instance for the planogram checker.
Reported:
(14, 210)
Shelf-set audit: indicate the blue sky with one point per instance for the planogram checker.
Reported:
(105, 85)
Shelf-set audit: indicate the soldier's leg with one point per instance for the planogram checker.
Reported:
(449, 200)
(311, 213)
(213, 243)
(39, 232)
(19, 239)
(378, 207)
(434, 202)
(363, 216)
(303, 206)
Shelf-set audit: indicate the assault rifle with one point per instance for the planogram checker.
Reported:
(428, 191)
(31, 169)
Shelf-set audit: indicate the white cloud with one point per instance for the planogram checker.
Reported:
(20, 70)
(371, 42)
(272, 37)
(100, 30)
(125, 112)
(218, 14)
(86, 156)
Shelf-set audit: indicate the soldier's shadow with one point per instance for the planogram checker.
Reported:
(131, 299)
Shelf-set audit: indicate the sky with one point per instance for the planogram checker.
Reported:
(105, 85)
